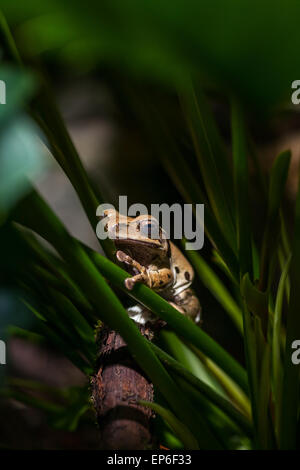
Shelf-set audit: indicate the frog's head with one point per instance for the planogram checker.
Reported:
(141, 237)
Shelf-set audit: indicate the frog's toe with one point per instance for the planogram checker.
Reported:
(129, 283)
(121, 256)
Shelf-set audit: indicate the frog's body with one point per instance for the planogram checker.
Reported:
(154, 261)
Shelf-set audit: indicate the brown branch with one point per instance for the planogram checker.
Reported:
(116, 387)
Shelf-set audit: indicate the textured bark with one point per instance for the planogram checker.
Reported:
(116, 388)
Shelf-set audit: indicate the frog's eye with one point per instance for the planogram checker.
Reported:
(150, 229)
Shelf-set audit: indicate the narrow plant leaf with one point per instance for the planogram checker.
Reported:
(277, 183)
(257, 301)
(251, 364)
(169, 341)
(290, 391)
(59, 314)
(165, 436)
(218, 290)
(73, 317)
(277, 341)
(27, 335)
(255, 261)
(181, 431)
(212, 160)
(61, 416)
(284, 235)
(67, 349)
(228, 386)
(68, 289)
(206, 390)
(52, 270)
(222, 426)
(240, 164)
(263, 370)
(46, 336)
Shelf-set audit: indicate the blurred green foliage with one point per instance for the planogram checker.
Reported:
(250, 47)
(246, 49)
(21, 152)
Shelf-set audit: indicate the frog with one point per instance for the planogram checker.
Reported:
(149, 257)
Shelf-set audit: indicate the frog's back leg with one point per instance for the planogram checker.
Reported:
(182, 269)
(187, 303)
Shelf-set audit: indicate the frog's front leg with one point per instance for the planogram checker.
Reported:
(155, 279)
(123, 258)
